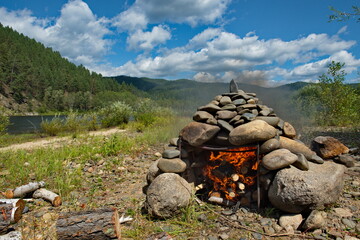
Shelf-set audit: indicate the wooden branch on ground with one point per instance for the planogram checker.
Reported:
(21, 191)
(9, 214)
(20, 203)
(94, 224)
(14, 235)
(48, 195)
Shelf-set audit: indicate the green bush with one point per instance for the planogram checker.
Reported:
(4, 120)
(148, 113)
(91, 122)
(116, 114)
(53, 127)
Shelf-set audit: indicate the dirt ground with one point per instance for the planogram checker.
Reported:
(122, 189)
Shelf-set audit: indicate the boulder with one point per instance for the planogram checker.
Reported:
(196, 133)
(225, 100)
(296, 147)
(279, 158)
(210, 107)
(175, 165)
(167, 195)
(233, 86)
(273, 121)
(252, 132)
(294, 190)
(328, 147)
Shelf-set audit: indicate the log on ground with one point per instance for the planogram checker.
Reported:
(9, 214)
(94, 224)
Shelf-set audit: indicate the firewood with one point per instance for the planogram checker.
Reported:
(231, 193)
(9, 214)
(215, 194)
(241, 186)
(199, 187)
(221, 201)
(20, 203)
(13, 235)
(48, 195)
(93, 224)
(235, 177)
(21, 191)
(244, 169)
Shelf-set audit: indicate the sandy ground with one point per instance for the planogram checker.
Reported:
(57, 141)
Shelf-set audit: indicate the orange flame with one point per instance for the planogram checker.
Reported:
(234, 161)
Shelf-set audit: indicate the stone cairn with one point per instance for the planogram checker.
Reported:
(293, 178)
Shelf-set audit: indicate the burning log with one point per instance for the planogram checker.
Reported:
(95, 224)
(215, 194)
(221, 201)
(48, 195)
(235, 177)
(218, 174)
(231, 193)
(21, 191)
(244, 169)
(241, 186)
(9, 214)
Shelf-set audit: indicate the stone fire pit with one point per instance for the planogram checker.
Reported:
(287, 174)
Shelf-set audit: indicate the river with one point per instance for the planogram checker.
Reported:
(27, 124)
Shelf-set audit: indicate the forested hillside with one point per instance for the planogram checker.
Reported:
(40, 78)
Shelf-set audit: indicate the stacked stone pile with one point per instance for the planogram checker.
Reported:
(293, 177)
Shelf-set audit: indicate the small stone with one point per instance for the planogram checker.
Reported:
(224, 236)
(225, 100)
(238, 102)
(347, 160)
(269, 230)
(227, 212)
(169, 154)
(301, 163)
(269, 145)
(265, 222)
(212, 238)
(209, 108)
(230, 107)
(315, 220)
(251, 101)
(157, 154)
(292, 220)
(90, 170)
(202, 217)
(225, 125)
(349, 223)
(174, 142)
(347, 237)
(175, 165)
(225, 114)
(273, 121)
(202, 116)
(257, 236)
(342, 212)
(248, 116)
(153, 172)
(289, 130)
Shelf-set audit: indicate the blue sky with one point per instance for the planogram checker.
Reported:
(253, 41)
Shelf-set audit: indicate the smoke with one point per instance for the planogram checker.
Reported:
(256, 77)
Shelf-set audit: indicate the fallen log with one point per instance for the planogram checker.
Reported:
(9, 214)
(13, 235)
(48, 195)
(20, 203)
(94, 224)
(21, 191)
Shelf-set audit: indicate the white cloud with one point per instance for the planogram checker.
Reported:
(77, 34)
(141, 40)
(193, 12)
(215, 52)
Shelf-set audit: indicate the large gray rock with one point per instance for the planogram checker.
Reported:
(294, 190)
(167, 195)
(153, 172)
(279, 158)
(196, 133)
(252, 132)
(202, 116)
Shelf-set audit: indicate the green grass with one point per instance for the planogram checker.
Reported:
(55, 166)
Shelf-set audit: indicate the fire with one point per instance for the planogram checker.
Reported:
(224, 164)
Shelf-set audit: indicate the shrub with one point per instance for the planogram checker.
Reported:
(148, 113)
(116, 114)
(53, 127)
(4, 119)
